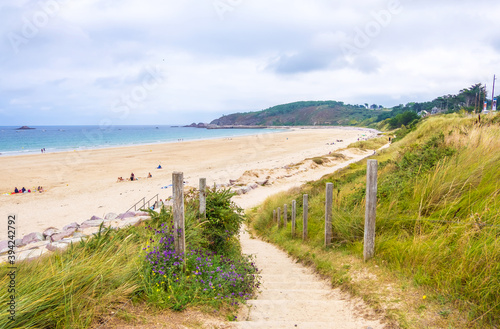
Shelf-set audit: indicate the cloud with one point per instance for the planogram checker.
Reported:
(299, 63)
(89, 54)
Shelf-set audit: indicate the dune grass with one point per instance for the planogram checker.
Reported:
(437, 215)
(70, 289)
(371, 144)
(87, 283)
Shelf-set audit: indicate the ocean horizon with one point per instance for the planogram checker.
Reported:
(68, 138)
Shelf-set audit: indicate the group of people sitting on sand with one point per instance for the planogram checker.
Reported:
(133, 178)
(24, 190)
(338, 141)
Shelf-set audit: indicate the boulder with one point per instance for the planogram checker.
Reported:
(141, 213)
(95, 218)
(56, 246)
(243, 190)
(71, 240)
(78, 235)
(19, 243)
(111, 216)
(72, 225)
(36, 245)
(92, 223)
(87, 231)
(50, 232)
(62, 235)
(4, 247)
(30, 254)
(264, 182)
(33, 237)
(126, 215)
(253, 186)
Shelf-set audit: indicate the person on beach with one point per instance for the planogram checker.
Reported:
(23, 190)
(149, 175)
(159, 167)
(131, 176)
(16, 190)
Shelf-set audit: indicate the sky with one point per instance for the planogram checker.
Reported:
(107, 62)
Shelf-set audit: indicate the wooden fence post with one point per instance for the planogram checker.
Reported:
(305, 214)
(274, 216)
(370, 210)
(279, 217)
(328, 214)
(203, 198)
(178, 210)
(294, 215)
(285, 216)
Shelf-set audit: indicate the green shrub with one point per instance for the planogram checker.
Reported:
(223, 220)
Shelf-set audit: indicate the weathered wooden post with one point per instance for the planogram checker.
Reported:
(328, 214)
(305, 215)
(279, 217)
(203, 198)
(370, 210)
(285, 215)
(274, 216)
(178, 212)
(294, 215)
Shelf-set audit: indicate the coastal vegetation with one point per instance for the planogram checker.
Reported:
(92, 281)
(437, 227)
(309, 113)
(335, 113)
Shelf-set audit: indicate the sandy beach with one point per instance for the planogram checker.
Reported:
(81, 184)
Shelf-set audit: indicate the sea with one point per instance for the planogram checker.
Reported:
(68, 138)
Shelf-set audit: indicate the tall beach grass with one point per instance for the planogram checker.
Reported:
(437, 214)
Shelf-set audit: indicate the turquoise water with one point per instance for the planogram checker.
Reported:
(67, 138)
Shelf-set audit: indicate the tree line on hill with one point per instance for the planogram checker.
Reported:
(336, 113)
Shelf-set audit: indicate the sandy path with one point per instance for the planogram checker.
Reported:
(292, 296)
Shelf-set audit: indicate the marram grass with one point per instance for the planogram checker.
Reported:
(84, 285)
(437, 215)
(70, 289)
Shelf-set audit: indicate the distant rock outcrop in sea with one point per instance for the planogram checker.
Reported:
(199, 125)
(25, 128)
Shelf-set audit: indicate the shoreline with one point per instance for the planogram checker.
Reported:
(79, 185)
(279, 129)
(99, 147)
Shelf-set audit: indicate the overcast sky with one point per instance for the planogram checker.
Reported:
(181, 61)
